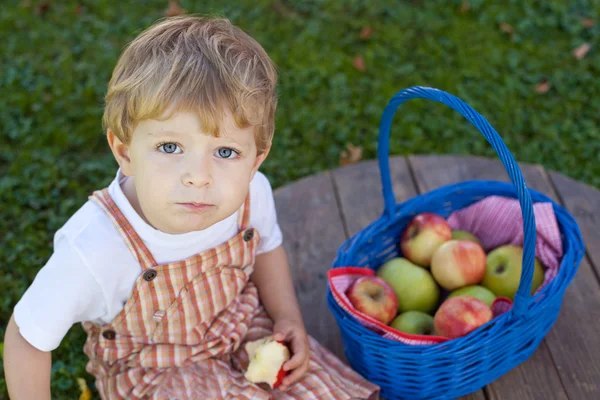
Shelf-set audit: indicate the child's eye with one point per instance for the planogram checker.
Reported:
(226, 152)
(169, 148)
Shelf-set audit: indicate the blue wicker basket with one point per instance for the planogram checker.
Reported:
(461, 366)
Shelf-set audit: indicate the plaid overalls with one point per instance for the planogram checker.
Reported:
(180, 334)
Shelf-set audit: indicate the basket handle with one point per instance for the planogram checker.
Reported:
(522, 297)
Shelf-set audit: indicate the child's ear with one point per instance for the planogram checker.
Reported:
(259, 160)
(120, 151)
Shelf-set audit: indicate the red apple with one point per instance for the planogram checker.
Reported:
(374, 297)
(267, 357)
(423, 235)
(460, 315)
(458, 263)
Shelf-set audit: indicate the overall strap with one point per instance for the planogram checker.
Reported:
(244, 214)
(103, 199)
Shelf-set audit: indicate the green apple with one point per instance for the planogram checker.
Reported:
(503, 271)
(415, 322)
(458, 234)
(414, 286)
(477, 291)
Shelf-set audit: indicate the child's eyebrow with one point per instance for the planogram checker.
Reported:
(232, 140)
(161, 133)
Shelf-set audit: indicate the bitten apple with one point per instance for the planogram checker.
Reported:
(267, 357)
(423, 235)
(457, 316)
(458, 263)
(374, 297)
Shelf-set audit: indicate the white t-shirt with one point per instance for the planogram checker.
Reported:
(91, 272)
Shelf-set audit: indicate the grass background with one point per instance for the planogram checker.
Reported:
(57, 58)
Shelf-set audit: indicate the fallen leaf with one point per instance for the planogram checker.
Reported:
(366, 32)
(359, 63)
(79, 9)
(282, 10)
(174, 9)
(588, 22)
(42, 8)
(581, 51)
(506, 28)
(543, 87)
(86, 393)
(352, 155)
(464, 8)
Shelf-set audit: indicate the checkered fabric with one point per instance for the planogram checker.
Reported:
(180, 334)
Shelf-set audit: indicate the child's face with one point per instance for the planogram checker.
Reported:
(183, 179)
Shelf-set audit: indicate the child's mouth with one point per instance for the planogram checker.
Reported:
(196, 207)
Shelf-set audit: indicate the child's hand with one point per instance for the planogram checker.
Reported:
(293, 333)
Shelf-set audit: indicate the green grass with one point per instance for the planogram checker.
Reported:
(55, 67)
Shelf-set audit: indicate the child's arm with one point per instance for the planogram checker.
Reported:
(274, 282)
(26, 369)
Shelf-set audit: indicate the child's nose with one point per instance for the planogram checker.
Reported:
(198, 173)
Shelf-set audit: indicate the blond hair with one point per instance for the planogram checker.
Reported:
(197, 64)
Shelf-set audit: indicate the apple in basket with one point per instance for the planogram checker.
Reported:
(414, 286)
(479, 292)
(458, 263)
(503, 271)
(415, 322)
(423, 235)
(460, 315)
(267, 357)
(458, 234)
(374, 297)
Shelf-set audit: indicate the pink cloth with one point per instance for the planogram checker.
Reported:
(498, 220)
(503, 216)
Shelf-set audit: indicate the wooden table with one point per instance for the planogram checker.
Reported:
(318, 213)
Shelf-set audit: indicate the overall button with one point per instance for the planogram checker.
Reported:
(248, 235)
(109, 334)
(149, 275)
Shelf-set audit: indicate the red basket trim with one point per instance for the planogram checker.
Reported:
(340, 279)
